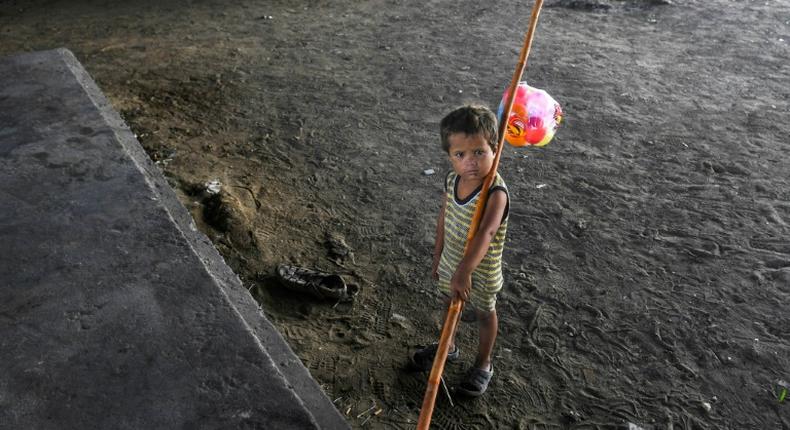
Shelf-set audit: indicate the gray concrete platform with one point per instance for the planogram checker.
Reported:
(115, 312)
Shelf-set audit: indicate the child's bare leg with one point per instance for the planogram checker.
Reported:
(488, 325)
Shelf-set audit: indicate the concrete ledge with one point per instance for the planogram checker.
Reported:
(115, 312)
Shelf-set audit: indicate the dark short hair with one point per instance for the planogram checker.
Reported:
(470, 120)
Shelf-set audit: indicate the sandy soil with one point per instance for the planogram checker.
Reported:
(648, 268)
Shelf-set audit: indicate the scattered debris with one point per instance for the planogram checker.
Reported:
(338, 249)
(539, 186)
(571, 416)
(399, 320)
(783, 387)
(446, 391)
(361, 414)
(428, 172)
(213, 186)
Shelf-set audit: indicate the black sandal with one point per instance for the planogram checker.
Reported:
(422, 359)
(476, 381)
(319, 284)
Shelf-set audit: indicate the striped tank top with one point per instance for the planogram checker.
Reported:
(487, 279)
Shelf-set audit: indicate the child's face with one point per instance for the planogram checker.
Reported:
(470, 155)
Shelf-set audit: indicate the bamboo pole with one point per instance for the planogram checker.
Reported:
(456, 305)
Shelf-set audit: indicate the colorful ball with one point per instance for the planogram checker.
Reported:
(534, 119)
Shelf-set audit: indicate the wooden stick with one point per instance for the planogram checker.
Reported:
(456, 305)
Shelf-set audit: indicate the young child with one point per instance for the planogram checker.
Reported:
(469, 136)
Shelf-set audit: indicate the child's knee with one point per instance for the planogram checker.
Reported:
(485, 315)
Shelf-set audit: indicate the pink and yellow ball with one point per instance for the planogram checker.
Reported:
(534, 119)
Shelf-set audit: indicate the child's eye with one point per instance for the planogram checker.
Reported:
(459, 155)
(478, 152)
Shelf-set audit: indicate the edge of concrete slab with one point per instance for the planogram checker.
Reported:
(266, 335)
(242, 302)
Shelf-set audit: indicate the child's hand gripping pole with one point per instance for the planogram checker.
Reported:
(456, 305)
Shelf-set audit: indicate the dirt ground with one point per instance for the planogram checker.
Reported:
(648, 260)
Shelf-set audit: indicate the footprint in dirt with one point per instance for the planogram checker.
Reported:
(605, 5)
(338, 249)
(582, 5)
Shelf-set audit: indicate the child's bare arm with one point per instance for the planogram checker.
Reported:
(461, 283)
(439, 245)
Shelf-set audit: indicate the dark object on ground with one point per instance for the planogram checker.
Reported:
(422, 359)
(318, 284)
(476, 381)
